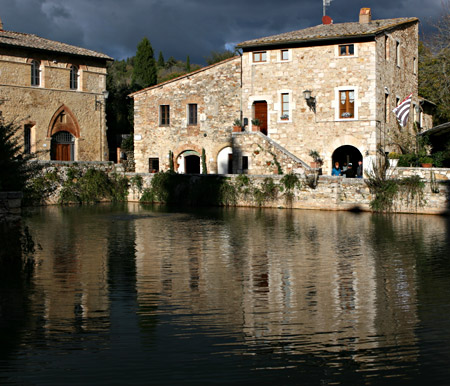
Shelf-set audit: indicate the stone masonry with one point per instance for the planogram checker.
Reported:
(216, 92)
(52, 105)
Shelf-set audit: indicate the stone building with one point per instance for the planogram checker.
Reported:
(329, 88)
(57, 93)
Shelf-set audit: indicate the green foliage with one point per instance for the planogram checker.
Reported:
(434, 66)
(41, 187)
(92, 185)
(314, 154)
(128, 144)
(144, 70)
(161, 63)
(394, 155)
(268, 191)
(218, 56)
(386, 191)
(137, 182)
(204, 170)
(171, 169)
(188, 64)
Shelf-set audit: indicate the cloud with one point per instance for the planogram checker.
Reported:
(186, 27)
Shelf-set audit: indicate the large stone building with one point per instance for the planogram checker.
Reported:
(57, 93)
(329, 88)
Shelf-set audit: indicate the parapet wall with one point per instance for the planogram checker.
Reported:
(333, 193)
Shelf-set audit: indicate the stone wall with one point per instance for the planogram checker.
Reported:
(39, 106)
(215, 90)
(264, 155)
(439, 174)
(333, 193)
(319, 68)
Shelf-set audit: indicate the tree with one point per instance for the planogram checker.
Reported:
(144, 70)
(15, 168)
(161, 60)
(218, 56)
(434, 66)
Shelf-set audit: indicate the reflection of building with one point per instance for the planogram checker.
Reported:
(329, 88)
(56, 93)
(71, 273)
(324, 288)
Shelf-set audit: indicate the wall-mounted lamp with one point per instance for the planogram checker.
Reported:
(310, 100)
(101, 101)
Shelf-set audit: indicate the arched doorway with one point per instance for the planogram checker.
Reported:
(346, 154)
(225, 161)
(189, 162)
(260, 112)
(62, 146)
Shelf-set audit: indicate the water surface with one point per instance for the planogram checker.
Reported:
(147, 295)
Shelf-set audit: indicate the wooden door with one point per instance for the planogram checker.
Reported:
(62, 152)
(261, 114)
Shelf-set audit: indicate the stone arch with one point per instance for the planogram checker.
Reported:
(64, 120)
(225, 160)
(347, 154)
(183, 148)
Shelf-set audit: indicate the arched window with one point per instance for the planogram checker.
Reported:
(74, 78)
(35, 73)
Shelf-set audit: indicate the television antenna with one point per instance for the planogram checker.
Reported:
(326, 3)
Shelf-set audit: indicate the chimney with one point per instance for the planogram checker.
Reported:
(365, 16)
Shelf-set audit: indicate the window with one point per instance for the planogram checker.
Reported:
(35, 73)
(285, 106)
(164, 115)
(397, 52)
(284, 54)
(245, 162)
(386, 47)
(153, 165)
(346, 104)
(74, 78)
(27, 139)
(259, 57)
(415, 65)
(192, 114)
(346, 50)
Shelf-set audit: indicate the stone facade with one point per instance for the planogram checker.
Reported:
(66, 95)
(214, 91)
(369, 66)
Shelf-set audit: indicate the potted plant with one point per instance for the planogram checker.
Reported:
(426, 161)
(256, 124)
(237, 126)
(317, 163)
(285, 117)
(393, 159)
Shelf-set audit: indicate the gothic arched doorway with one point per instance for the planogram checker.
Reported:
(62, 146)
(346, 154)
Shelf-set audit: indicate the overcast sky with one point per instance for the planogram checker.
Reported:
(187, 27)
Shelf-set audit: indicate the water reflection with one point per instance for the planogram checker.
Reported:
(243, 293)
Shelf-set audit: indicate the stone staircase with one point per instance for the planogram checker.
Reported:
(265, 155)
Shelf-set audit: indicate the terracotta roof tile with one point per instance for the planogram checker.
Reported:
(24, 40)
(329, 31)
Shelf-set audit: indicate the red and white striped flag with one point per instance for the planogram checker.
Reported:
(402, 111)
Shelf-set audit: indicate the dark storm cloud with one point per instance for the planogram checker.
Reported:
(186, 27)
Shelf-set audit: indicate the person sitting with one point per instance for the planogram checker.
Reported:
(336, 170)
(350, 172)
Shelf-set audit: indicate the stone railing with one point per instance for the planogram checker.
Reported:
(265, 155)
(439, 174)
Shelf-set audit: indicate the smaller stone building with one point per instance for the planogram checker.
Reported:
(57, 93)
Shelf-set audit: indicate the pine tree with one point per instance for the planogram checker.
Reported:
(188, 64)
(161, 60)
(144, 71)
